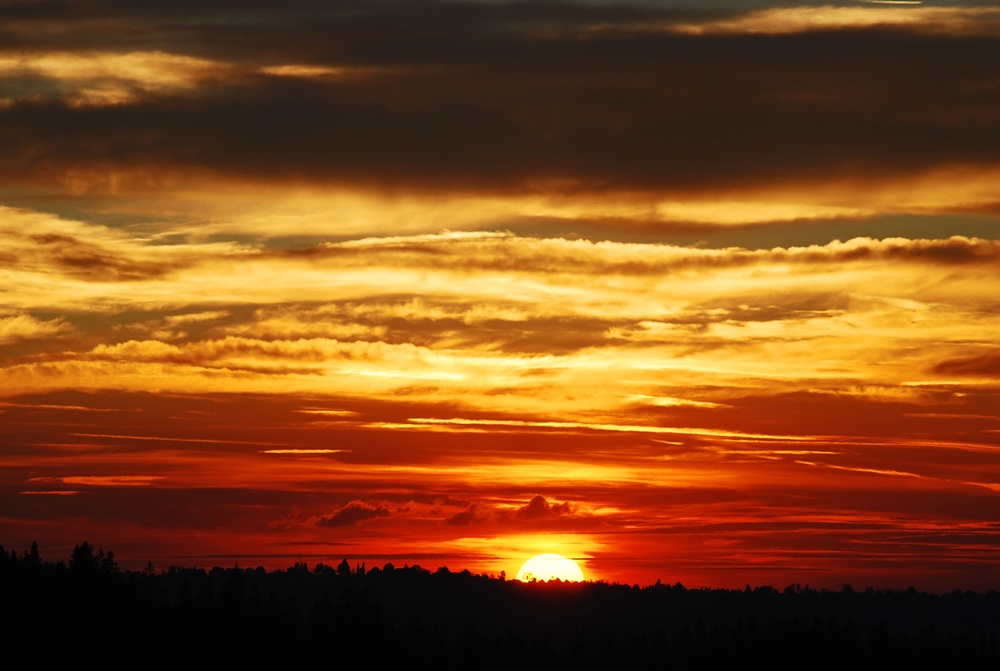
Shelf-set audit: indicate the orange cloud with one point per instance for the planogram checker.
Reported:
(108, 78)
(21, 327)
(793, 20)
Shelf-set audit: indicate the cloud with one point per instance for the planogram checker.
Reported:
(984, 365)
(91, 262)
(791, 20)
(103, 78)
(104, 480)
(463, 518)
(352, 514)
(490, 251)
(538, 508)
(21, 327)
(46, 254)
(364, 289)
(493, 321)
(502, 99)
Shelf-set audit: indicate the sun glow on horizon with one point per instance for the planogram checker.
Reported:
(549, 566)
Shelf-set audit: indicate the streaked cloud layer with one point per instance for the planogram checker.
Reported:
(692, 294)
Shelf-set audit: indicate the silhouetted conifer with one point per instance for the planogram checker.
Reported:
(83, 561)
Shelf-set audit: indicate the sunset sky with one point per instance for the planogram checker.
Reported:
(704, 292)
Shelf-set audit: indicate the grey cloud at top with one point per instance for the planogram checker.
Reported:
(500, 98)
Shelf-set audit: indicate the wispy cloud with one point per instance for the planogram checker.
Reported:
(103, 480)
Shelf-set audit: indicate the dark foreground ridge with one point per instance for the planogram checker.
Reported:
(88, 613)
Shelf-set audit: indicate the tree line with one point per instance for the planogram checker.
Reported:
(89, 613)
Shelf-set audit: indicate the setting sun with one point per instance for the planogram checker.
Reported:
(546, 567)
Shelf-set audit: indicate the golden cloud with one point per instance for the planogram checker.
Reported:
(109, 78)
(789, 20)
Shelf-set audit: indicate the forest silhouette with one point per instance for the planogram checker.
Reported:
(89, 613)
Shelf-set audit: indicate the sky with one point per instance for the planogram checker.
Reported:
(697, 292)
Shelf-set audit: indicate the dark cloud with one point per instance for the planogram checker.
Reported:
(497, 97)
(467, 516)
(398, 321)
(90, 261)
(538, 508)
(984, 365)
(772, 307)
(557, 256)
(353, 513)
(309, 29)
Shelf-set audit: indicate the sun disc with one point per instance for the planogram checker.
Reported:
(549, 566)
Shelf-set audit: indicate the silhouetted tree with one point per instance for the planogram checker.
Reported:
(106, 561)
(31, 556)
(83, 561)
(54, 618)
